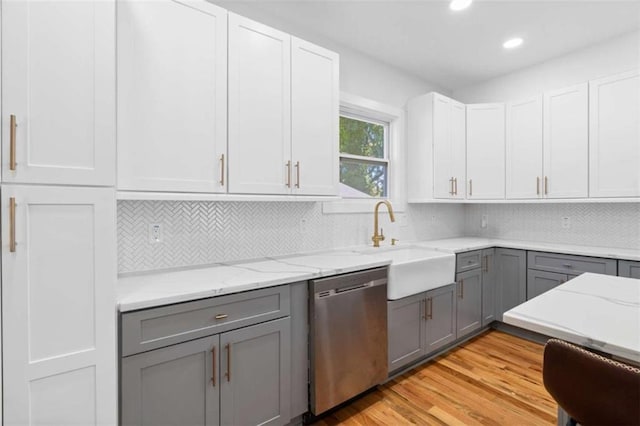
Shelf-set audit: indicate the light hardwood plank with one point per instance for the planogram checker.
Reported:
(493, 379)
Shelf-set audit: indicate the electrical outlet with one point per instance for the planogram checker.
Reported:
(484, 221)
(303, 226)
(155, 233)
(566, 222)
(402, 220)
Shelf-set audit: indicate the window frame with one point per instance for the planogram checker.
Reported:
(368, 109)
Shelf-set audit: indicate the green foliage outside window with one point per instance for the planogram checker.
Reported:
(365, 139)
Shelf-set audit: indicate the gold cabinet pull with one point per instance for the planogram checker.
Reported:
(222, 170)
(228, 373)
(537, 185)
(424, 312)
(455, 186)
(213, 366)
(451, 186)
(221, 316)
(470, 187)
(12, 225)
(546, 185)
(297, 174)
(429, 303)
(12, 142)
(461, 288)
(288, 183)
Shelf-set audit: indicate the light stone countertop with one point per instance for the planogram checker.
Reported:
(600, 312)
(157, 288)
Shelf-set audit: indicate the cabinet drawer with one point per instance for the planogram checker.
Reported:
(468, 260)
(569, 264)
(158, 327)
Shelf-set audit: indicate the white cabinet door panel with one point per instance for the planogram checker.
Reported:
(524, 149)
(485, 151)
(259, 108)
(58, 80)
(315, 107)
(172, 97)
(614, 136)
(58, 306)
(566, 142)
(449, 138)
(459, 147)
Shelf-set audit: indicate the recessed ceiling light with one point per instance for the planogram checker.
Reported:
(512, 43)
(459, 4)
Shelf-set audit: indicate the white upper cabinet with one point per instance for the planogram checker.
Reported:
(436, 133)
(58, 305)
(566, 142)
(172, 96)
(314, 118)
(524, 149)
(485, 151)
(58, 92)
(259, 108)
(614, 136)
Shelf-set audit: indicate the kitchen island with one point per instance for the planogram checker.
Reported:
(596, 311)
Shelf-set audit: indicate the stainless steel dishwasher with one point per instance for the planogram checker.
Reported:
(348, 335)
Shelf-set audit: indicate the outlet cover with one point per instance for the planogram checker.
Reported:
(402, 220)
(566, 222)
(155, 233)
(484, 221)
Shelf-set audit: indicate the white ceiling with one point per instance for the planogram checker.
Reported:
(455, 49)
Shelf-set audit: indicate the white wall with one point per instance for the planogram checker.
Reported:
(606, 58)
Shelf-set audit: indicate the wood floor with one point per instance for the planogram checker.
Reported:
(494, 379)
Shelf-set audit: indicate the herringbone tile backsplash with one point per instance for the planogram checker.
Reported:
(200, 233)
(591, 224)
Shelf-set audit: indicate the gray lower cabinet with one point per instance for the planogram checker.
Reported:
(489, 284)
(176, 385)
(420, 324)
(629, 269)
(440, 318)
(511, 279)
(255, 384)
(243, 372)
(469, 302)
(539, 282)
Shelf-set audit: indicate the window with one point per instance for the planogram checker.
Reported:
(364, 159)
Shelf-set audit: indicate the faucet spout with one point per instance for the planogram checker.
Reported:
(379, 236)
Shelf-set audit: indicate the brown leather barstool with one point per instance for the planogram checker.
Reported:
(592, 389)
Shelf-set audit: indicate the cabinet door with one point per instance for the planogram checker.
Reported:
(524, 149)
(614, 136)
(405, 330)
(259, 108)
(255, 387)
(58, 305)
(315, 103)
(627, 268)
(449, 136)
(469, 302)
(172, 96)
(58, 80)
(440, 318)
(539, 282)
(176, 385)
(511, 270)
(485, 151)
(489, 295)
(566, 143)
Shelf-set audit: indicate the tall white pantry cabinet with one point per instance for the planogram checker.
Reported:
(58, 213)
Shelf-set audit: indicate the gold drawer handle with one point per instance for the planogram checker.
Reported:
(213, 366)
(228, 373)
(221, 316)
(222, 170)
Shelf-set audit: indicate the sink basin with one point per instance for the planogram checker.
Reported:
(416, 269)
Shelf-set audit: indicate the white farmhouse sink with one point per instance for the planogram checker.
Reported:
(416, 269)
